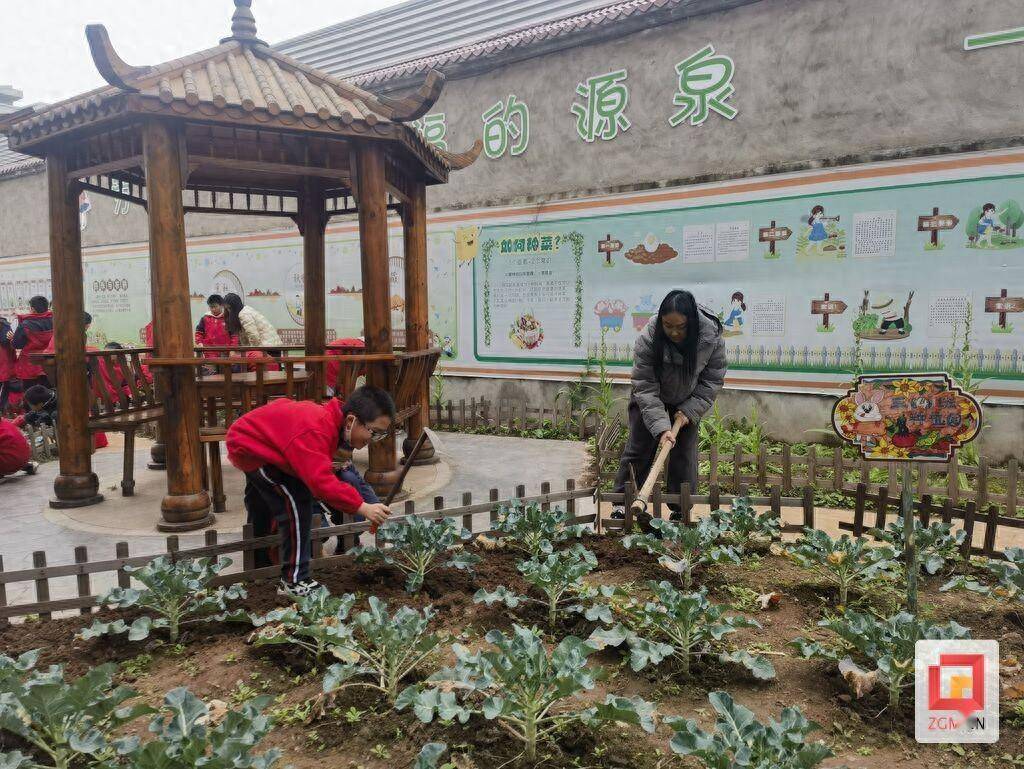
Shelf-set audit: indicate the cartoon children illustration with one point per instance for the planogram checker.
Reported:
(819, 235)
(987, 225)
(734, 322)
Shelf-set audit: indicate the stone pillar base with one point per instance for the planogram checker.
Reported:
(75, 491)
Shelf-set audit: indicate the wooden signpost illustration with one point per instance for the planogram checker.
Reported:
(771, 235)
(936, 222)
(907, 418)
(1004, 304)
(826, 307)
(608, 246)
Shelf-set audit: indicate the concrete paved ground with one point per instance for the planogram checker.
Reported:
(470, 463)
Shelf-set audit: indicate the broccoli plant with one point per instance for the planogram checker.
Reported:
(526, 688)
(887, 644)
(846, 562)
(740, 739)
(742, 527)
(189, 733)
(382, 647)
(313, 623)
(557, 576)
(682, 549)
(1009, 574)
(71, 723)
(937, 544)
(417, 546)
(178, 592)
(533, 530)
(685, 626)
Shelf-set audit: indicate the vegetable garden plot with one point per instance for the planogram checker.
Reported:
(314, 681)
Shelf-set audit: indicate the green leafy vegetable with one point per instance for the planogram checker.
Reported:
(189, 734)
(533, 530)
(1009, 576)
(846, 562)
(740, 740)
(312, 622)
(71, 723)
(887, 644)
(674, 624)
(177, 592)
(383, 647)
(745, 529)
(683, 549)
(522, 685)
(417, 545)
(937, 544)
(557, 576)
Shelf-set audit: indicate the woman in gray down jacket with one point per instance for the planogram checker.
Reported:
(678, 366)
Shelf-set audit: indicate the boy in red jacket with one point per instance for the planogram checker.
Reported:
(285, 450)
(212, 329)
(33, 335)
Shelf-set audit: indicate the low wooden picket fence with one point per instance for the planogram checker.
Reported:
(513, 414)
(82, 569)
(871, 509)
(830, 470)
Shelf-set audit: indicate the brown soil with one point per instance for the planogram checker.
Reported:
(358, 729)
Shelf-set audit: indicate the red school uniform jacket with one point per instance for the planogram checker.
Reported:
(212, 331)
(14, 448)
(33, 335)
(299, 438)
(8, 355)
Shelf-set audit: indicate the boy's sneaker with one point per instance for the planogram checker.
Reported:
(300, 589)
(31, 468)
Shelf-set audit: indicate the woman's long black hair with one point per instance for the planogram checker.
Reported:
(234, 305)
(683, 303)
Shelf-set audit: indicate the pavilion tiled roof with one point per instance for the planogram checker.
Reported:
(242, 77)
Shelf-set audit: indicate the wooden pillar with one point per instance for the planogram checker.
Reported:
(312, 222)
(187, 504)
(76, 485)
(417, 333)
(373, 242)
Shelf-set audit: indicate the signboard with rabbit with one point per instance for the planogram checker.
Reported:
(907, 417)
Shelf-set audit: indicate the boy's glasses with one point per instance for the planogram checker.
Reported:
(376, 436)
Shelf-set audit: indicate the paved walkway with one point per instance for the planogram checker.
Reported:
(470, 463)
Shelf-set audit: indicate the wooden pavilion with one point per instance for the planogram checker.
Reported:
(235, 129)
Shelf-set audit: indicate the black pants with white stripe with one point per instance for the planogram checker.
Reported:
(276, 500)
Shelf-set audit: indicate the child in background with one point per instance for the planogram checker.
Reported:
(212, 329)
(15, 454)
(33, 335)
(41, 411)
(285, 449)
(8, 359)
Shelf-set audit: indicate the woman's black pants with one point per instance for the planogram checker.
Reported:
(642, 447)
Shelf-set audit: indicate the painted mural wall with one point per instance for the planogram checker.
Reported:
(892, 267)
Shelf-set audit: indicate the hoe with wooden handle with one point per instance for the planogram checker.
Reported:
(639, 506)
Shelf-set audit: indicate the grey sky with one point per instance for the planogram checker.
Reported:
(43, 51)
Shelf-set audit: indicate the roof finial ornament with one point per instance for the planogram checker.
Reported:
(243, 24)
